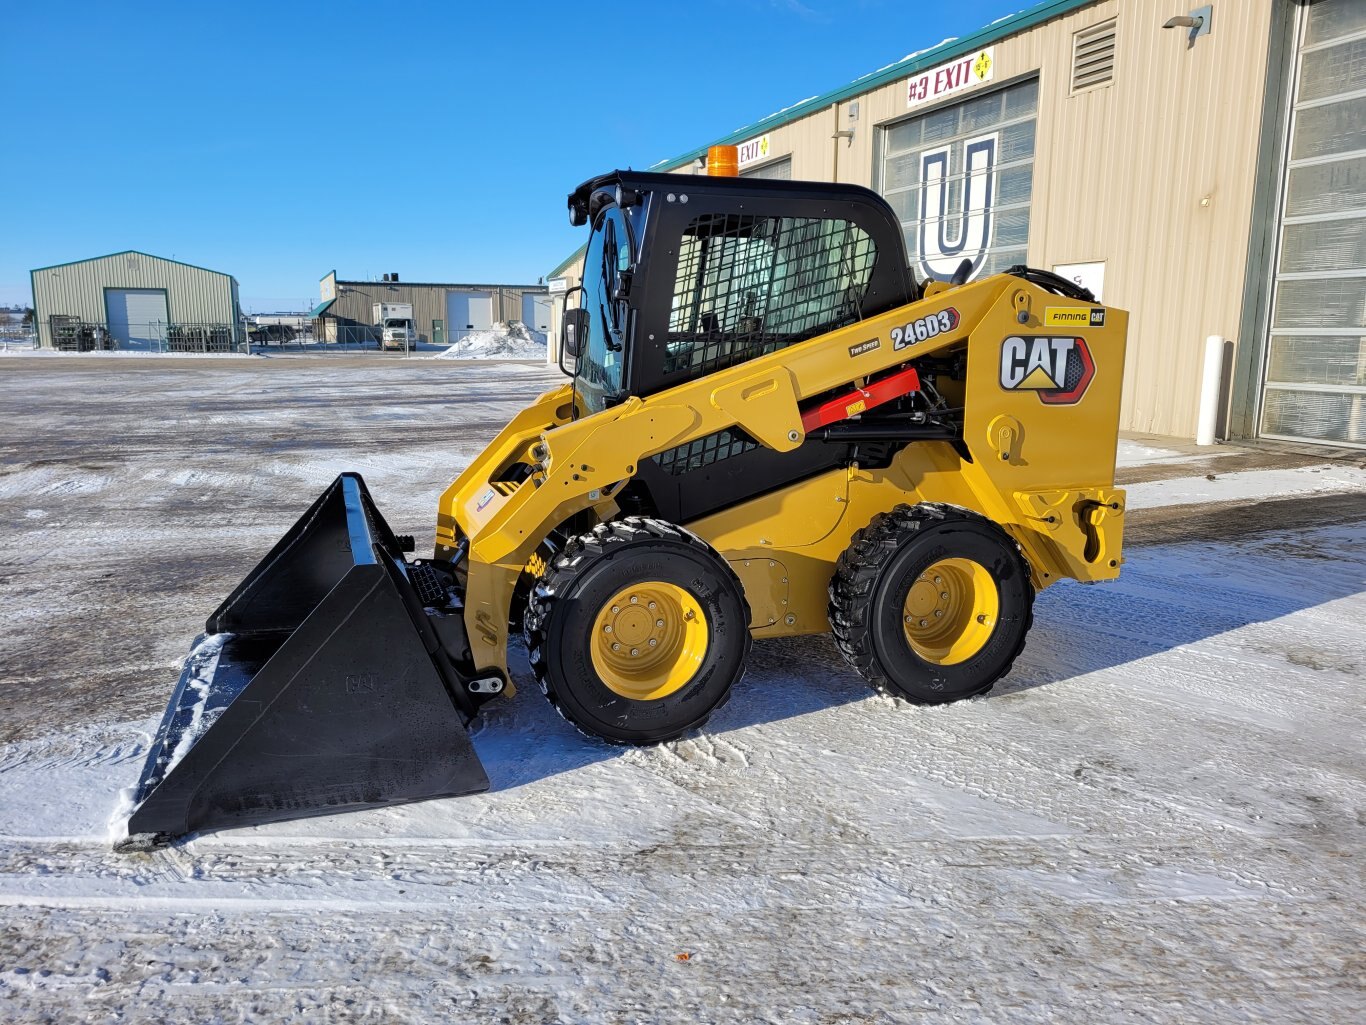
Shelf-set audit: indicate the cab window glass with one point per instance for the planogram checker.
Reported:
(749, 285)
(600, 363)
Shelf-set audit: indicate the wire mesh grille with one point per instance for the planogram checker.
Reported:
(705, 451)
(750, 285)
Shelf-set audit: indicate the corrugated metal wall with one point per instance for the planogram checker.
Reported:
(356, 299)
(1152, 174)
(193, 295)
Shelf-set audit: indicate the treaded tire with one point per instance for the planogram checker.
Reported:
(871, 581)
(565, 602)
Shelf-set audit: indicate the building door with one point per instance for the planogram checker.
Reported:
(136, 316)
(1315, 386)
(960, 178)
(536, 313)
(438, 332)
(469, 311)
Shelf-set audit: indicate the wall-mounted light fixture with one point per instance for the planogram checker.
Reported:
(1197, 23)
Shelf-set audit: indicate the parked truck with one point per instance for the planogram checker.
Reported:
(395, 322)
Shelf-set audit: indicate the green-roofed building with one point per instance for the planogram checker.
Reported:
(1201, 165)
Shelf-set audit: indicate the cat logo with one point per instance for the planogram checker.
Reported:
(1058, 369)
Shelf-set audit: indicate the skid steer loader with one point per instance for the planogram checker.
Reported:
(771, 429)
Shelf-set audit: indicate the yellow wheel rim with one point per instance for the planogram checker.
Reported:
(649, 640)
(950, 611)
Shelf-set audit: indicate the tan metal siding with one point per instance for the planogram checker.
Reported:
(1153, 173)
(193, 295)
(428, 301)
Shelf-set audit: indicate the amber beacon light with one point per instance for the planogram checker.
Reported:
(723, 161)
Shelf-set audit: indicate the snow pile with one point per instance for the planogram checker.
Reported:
(502, 341)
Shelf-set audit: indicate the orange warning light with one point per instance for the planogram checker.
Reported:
(723, 161)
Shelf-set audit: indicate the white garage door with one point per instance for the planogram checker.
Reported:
(1316, 353)
(137, 317)
(536, 313)
(469, 311)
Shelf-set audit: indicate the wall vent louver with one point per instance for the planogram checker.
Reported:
(1093, 56)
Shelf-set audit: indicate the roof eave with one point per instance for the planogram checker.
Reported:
(985, 36)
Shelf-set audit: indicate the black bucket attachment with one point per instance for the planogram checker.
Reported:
(322, 685)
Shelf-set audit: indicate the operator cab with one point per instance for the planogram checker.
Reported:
(685, 275)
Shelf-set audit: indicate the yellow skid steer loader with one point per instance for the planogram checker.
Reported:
(770, 429)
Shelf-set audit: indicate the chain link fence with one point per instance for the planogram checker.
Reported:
(17, 335)
(325, 337)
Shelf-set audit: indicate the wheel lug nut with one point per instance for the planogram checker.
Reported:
(651, 606)
(635, 651)
(653, 642)
(910, 619)
(944, 595)
(938, 581)
(607, 629)
(616, 647)
(659, 623)
(616, 608)
(635, 600)
(938, 613)
(924, 622)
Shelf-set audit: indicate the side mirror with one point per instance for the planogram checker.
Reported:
(575, 332)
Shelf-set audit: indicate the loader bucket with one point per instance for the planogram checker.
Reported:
(322, 685)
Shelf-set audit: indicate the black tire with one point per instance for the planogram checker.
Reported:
(874, 577)
(575, 588)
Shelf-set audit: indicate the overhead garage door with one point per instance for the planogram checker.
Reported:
(1315, 387)
(536, 312)
(137, 317)
(960, 178)
(469, 311)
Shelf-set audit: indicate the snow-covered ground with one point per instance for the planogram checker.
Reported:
(1157, 817)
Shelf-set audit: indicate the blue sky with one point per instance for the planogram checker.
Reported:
(276, 141)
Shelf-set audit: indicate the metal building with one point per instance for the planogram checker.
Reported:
(443, 313)
(1207, 175)
(133, 300)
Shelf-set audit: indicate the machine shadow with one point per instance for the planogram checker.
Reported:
(525, 740)
(1183, 593)
(1170, 596)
